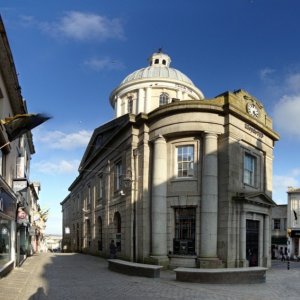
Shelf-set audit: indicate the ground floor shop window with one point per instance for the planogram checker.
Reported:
(5, 245)
(185, 224)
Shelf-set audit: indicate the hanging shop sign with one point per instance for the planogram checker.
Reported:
(19, 185)
(22, 217)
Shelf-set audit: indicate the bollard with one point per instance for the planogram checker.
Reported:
(288, 264)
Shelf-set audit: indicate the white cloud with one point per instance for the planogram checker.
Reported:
(286, 115)
(280, 186)
(296, 172)
(64, 141)
(286, 111)
(293, 83)
(104, 63)
(61, 167)
(85, 26)
(266, 73)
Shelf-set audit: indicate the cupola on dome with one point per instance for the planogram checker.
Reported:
(148, 88)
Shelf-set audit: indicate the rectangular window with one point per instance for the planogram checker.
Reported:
(185, 161)
(118, 176)
(276, 224)
(100, 187)
(78, 203)
(249, 169)
(2, 164)
(89, 196)
(130, 105)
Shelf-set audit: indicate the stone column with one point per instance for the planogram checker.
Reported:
(159, 201)
(243, 259)
(266, 241)
(118, 107)
(148, 100)
(140, 101)
(209, 199)
(179, 94)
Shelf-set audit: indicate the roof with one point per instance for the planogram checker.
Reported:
(159, 67)
(157, 71)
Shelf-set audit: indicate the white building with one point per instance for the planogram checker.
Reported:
(175, 179)
(293, 221)
(16, 199)
(279, 230)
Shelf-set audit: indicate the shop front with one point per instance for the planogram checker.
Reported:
(7, 231)
(23, 237)
(293, 243)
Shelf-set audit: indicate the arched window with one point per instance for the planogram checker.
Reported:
(164, 62)
(156, 61)
(100, 234)
(163, 99)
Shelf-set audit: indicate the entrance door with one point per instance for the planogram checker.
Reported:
(184, 241)
(252, 242)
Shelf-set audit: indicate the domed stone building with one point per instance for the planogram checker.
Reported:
(175, 179)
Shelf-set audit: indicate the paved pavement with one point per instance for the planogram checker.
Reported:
(59, 276)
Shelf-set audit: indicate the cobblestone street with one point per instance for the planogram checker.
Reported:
(77, 276)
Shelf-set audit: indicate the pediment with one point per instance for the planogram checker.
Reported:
(256, 198)
(102, 136)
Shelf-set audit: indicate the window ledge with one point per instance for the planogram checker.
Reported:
(182, 256)
(184, 179)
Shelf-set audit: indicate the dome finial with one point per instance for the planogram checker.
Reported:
(159, 59)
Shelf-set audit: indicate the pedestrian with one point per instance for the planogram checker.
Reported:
(112, 249)
(282, 255)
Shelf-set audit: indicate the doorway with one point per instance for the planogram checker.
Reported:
(252, 242)
(185, 228)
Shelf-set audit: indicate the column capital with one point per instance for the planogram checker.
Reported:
(158, 138)
(210, 133)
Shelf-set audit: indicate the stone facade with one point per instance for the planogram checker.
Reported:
(183, 181)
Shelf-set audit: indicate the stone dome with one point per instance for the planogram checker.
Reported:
(159, 68)
(148, 88)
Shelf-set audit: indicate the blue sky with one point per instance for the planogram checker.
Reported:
(70, 54)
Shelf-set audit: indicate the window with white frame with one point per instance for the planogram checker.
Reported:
(185, 161)
(118, 176)
(163, 99)
(249, 169)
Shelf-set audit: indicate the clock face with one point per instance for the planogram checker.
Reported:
(252, 110)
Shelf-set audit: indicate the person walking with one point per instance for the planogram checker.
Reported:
(112, 249)
(282, 255)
